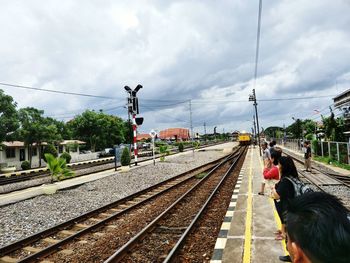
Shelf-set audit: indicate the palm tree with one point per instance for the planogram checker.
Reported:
(58, 168)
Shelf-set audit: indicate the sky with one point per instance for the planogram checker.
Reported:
(194, 52)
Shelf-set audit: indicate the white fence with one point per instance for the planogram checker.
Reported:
(339, 151)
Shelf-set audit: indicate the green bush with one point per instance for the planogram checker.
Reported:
(196, 145)
(160, 143)
(181, 147)
(309, 137)
(25, 165)
(163, 151)
(58, 168)
(66, 156)
(51, 149)
(125, 158)
(201, 175)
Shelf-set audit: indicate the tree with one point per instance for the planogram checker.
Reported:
(8, 116)
(274, 131)
(295, 129)
(99, 130)
(62, 129)
(334, 128)
(36, 129)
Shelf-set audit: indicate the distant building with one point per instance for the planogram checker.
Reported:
(143, 137)
(15, 152)
(342, 102)
(69, 146)
(181, 134)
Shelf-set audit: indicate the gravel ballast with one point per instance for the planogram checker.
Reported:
(25, 218)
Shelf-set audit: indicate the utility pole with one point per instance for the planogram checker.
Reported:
(205, 133)
(215, 133)
(254, 128)
(253, 98)
(191, 126)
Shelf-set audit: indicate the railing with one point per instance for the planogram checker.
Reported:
(339, 151)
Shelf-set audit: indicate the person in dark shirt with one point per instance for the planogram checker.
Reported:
(307, 156)
(284, 192)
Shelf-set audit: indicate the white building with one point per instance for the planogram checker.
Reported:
(15, 152)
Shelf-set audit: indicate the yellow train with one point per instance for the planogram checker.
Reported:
(244, 138)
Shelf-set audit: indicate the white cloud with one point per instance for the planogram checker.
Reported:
(178, 50)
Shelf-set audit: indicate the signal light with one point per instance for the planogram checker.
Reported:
(139, 120)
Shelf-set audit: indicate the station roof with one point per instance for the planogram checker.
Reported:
(16, 144)
(65, 142)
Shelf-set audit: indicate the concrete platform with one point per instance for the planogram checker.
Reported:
(247, 232)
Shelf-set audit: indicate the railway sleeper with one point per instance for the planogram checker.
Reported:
(7, 259)
(51, 240)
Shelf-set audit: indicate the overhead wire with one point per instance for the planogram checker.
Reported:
(56, 91)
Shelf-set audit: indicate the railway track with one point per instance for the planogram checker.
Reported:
(161, 239)
(341, 179)
(43, 174)
(100, 221)
(321, 180)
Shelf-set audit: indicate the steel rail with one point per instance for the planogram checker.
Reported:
(70, 223)
(329, 175)
(121, 252)
(180, 242)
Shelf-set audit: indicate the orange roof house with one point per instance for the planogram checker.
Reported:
(175, 134)
(143, 136)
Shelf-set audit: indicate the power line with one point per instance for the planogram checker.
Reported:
(253, 97)
(57, 91)
(177, 102)
(79, 94)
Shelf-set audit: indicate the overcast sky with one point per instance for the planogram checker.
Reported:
(202, 51)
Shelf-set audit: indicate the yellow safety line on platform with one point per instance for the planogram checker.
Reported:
(276, 216)
(248, 221)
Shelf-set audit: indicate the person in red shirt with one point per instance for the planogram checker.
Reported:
(271, 172)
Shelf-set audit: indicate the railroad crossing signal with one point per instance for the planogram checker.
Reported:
(133, 109)
(133, 101)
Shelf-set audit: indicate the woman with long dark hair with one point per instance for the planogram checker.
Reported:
(284, 191)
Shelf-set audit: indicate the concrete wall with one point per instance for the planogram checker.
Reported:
(76, 157)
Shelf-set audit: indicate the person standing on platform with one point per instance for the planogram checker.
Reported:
(318, 229)
(267, 164)
(307, 156)
(284, 192)
(271, 173)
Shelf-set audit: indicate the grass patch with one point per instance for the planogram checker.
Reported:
(331, 161)
(201, 175)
